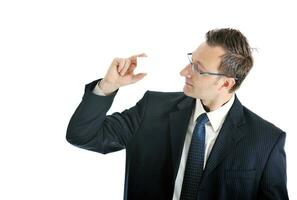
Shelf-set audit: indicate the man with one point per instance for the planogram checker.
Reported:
(200, 144)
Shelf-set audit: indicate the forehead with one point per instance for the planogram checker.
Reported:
(209, 57)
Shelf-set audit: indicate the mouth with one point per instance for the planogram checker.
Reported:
(189, 84)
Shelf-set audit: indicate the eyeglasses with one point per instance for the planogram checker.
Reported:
(195, 68)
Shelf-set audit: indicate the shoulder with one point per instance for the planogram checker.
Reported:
(165, 101)
(160, 93)
(165, 96)
(261, 126)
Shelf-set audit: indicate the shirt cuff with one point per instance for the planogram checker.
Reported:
(97, 90)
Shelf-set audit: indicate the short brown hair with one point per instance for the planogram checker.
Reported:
(238, 60)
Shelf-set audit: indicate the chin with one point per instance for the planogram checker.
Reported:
(189, 94)
(192, 95)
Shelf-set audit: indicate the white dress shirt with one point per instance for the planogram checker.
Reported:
(212, 129)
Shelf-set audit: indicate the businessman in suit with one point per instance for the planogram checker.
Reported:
(201, 143)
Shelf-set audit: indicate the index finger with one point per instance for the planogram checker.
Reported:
(134, 57)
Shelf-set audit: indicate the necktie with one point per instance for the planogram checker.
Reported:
(195, 161)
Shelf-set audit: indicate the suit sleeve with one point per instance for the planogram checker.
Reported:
(274, 179)
(90, 128)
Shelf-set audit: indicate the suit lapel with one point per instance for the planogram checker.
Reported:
(179, 121)
(230, 134)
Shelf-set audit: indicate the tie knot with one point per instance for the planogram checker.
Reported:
(202, 119)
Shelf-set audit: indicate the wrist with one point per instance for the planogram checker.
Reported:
(106, 87)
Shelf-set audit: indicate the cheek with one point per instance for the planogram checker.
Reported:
(218, 84)
(206, 85)
(201, 82)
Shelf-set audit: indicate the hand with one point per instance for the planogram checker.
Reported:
(121, 73)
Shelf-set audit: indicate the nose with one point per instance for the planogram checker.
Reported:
(186, 72)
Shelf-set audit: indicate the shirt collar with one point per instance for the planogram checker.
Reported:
(216, 117)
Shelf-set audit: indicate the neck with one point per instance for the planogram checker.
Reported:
(216, 103)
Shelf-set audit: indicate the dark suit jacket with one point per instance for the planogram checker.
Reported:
(247, 162)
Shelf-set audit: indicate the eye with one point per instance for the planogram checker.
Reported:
(196, 66)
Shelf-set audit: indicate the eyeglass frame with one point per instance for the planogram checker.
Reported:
(197, 70)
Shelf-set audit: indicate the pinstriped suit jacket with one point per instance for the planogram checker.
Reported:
(247, 162)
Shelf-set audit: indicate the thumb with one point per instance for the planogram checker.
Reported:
(138, 77)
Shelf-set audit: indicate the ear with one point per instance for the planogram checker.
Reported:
(228, 83)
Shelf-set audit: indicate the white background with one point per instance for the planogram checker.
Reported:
(50, 49)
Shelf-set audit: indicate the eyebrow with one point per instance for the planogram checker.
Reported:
(197, 61)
